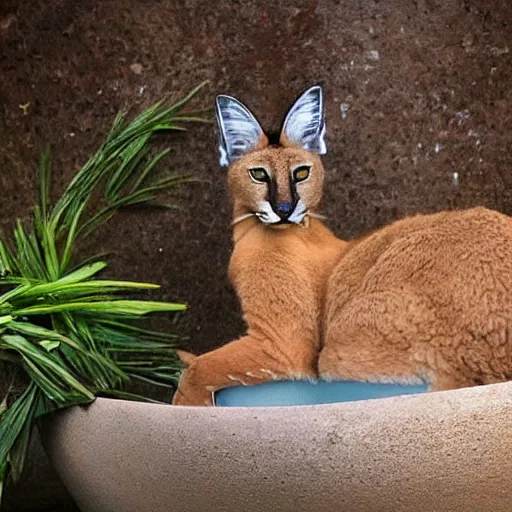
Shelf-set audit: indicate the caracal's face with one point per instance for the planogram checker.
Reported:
(279, 183)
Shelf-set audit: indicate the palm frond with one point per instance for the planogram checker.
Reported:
(73, 335)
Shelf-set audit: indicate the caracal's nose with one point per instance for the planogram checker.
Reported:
(284, 210)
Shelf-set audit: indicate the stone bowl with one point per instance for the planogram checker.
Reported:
(447, 451)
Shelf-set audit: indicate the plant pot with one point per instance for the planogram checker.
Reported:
(427, 452)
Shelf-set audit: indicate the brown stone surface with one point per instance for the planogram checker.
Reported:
(431, 452)
(414, 76)
(416, 91)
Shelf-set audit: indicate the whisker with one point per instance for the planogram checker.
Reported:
(316, 215)
(243, 217)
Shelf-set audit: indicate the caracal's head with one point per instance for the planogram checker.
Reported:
(278, 182)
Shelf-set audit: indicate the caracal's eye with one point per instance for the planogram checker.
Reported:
(259, 174)
(301, 173)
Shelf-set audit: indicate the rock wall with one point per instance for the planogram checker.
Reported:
(418, 99)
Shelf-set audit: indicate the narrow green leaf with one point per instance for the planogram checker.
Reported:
(133, 155)
(53, 368)
(83, 273)
(29, 257)
(7, 264)
(114, 307)
(28, 329)
(15, 292)
(18, 451)
(44, 380)
(151, 165)
(14, 419)
(189, 96)
(30, 290)
(50, 252)
(5, 319)
(193, 119)
(44, 183)
(90, 260)
(49, 345)
(70, 240)
(154, 382)
(57, 289)
(126, 327)
(124, 395)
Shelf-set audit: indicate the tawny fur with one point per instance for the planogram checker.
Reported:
(427, 297)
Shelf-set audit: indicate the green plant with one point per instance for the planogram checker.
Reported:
(69, 335)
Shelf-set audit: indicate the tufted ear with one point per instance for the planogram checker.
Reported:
(304, 125)
(239, 131)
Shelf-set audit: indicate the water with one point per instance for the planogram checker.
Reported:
(280, 393)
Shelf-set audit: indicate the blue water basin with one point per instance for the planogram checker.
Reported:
(296, 392)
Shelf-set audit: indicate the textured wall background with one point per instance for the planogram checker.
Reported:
(418, 99)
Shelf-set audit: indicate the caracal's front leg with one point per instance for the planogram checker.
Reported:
(246, 361)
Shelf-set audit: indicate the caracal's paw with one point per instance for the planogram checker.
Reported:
(198, 397)
(192, 389)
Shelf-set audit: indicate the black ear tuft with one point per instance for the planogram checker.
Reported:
(273, 138)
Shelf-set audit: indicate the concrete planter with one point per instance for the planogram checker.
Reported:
(449, 451)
